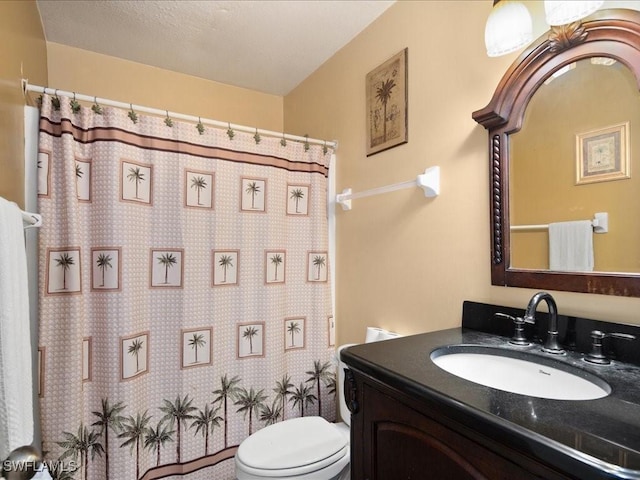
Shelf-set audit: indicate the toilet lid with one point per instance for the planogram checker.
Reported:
(291, 444)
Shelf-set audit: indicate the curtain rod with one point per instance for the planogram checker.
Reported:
(27, 87)
(599, 222)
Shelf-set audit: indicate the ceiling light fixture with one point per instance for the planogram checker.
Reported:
(564, 12)
(510, 27)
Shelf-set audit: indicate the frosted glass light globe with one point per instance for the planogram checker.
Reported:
(509, 27)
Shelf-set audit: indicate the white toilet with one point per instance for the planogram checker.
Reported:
(304, 448)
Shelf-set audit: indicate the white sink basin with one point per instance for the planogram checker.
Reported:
(519, 372)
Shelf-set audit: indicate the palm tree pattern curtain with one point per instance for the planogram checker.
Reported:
(184, 291)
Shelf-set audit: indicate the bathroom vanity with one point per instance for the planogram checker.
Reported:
(413, 420)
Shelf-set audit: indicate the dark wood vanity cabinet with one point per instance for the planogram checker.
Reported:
(396, 437)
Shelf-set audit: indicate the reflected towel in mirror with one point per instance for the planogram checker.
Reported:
(571, 246)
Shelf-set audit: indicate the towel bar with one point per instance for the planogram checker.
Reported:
(31, 219)
(600, 224)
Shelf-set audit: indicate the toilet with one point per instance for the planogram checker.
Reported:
(304, 448)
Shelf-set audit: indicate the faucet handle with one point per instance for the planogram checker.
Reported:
(504, 315)
(621, 336)
(518, 335)
(596, 355)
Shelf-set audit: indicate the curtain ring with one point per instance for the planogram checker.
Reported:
(167, 121)
(200, 126)
(75, 106)
(97, 109)
(55, 101)
(132, 115)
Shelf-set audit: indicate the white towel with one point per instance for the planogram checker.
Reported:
(16, 405)
(571, 246)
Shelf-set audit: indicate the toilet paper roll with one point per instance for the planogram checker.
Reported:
(385, 335)
(372, 334)
(375, 334)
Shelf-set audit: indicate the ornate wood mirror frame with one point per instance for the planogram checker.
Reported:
(611, 33)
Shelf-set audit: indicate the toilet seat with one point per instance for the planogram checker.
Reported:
(297, 447)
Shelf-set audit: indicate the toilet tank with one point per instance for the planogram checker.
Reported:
(345, 414)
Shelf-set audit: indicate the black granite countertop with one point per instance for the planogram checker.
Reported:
(587, 439)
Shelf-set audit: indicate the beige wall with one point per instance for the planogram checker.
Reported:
(22, 54)
(77, 70)
(404, 262)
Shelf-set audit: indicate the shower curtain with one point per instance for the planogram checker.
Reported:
(185, 295)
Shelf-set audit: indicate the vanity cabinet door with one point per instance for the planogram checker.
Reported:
(392, 441)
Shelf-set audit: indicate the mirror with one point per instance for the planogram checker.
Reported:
(562, 136)
(594, 100)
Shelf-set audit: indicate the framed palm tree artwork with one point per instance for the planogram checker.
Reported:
(199, 189)
(225, 267)
(275, 266)
(44, 175)
(134, 355)
(63, 271)
(253, 194)
(136, 182)
(106, 268)
(317, 266)
(196, 347)
(386, 97)
(250, 339)
(83, 179)
(294, 333)
(167, 268)
(298, 199)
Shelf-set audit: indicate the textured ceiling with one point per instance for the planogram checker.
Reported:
(268, 46)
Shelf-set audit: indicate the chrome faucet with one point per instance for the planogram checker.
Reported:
(551, 344)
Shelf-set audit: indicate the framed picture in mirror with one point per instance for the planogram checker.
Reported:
(603, 155)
